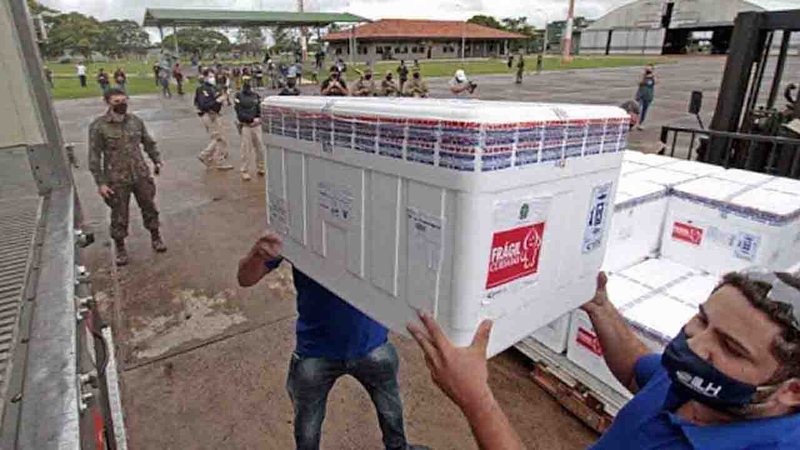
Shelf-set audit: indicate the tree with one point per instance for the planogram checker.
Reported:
(120, 37)
(36, 8)
(283, 41)
(72, 32)
(487, 21)
(251, 40)
(520, 25)
(200, 40)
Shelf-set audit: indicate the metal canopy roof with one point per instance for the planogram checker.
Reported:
(155, 17)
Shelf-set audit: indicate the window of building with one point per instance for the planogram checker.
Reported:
(363, 50)
(379, 50)
(338, 50)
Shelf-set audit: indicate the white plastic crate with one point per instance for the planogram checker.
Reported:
(467, 209)
(721, 225)
(554, 335)
(636, 227)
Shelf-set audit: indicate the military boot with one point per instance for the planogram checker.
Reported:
(121, 253)
(158, 243)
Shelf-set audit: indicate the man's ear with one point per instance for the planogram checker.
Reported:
(788, 394)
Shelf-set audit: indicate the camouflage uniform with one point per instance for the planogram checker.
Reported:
(365, 88)
(388, 88)
(116, 161)
(416, 87)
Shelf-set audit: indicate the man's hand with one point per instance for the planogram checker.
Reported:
(600, 299)
(257, 121)
(268, 247)
(460, 373)
(105, 191)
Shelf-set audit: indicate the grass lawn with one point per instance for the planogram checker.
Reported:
(140, 75)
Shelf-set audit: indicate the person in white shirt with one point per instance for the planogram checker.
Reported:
(81, 70)
(460, 85)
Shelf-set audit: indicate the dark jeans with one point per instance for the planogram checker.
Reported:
(310, 380)
(83, 80)
(643, 106)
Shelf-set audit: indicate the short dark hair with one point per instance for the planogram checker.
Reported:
(111, 92)
(786, 346)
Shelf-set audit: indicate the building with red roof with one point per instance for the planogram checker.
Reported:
(399, 39)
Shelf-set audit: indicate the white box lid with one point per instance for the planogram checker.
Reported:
(743, 177)
(631, 192)
(711, 188)
(694, 290)
(788, 185)
(657, 272)
(622, 291)
(660, 315)
(770, 202)
(629, 167)
(694, 168)
(662, 176)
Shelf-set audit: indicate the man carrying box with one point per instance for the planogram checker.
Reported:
(729, 380)
(333, 339)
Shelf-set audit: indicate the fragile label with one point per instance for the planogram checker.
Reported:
(595, 223)
(589, 340)
(278, 215)
(687, 233)
(336, 202)
(515, 254)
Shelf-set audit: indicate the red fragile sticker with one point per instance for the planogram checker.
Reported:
(687, 233)
(515, 254)
(589, 340)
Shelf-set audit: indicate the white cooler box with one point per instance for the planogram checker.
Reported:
(466, 209)
(720, 225)
(554, 335)
(637, 224)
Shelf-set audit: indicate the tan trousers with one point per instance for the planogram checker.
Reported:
(252, 148)
(217, 150)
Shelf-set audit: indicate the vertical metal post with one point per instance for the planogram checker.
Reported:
(175, 33)
(463, 40)
(566, 43)
(779, 66)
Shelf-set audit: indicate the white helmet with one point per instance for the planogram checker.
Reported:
(461, 76)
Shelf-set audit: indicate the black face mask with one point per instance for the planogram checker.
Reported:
(416, 76)
(120, 108)
(247, 87)
(368, 77)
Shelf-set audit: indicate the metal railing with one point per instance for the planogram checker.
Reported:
(774, 155)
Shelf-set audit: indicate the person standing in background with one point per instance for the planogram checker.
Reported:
(520, 68)
(208, 102)
(163, 79)
(247, 104)
(334, 86)
(81, 71)
(539, 64)
(156, 70)
(120, 78)
(48, 74)
(402, 74)
(510, 61)
(178, 75)
(646, 93)
(102, 80)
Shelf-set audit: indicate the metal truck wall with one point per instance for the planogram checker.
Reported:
(593, 42)
(19, 118)
(633, 41)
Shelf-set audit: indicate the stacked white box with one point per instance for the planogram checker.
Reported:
(695, 289)
(661, 176)
(636, 227)
(698, 169)
(583, 344)
(554, 335)
(467, 209)
(647, 159)
(728, 223)
(658, 273)
(658, 319)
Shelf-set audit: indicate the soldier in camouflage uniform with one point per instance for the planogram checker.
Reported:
(119, 169)
(388, 86)
(365, 86)
(417, 87)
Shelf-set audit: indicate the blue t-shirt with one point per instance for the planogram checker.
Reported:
(648, 422)
(329, 327)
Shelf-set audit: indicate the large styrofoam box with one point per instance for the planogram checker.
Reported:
(583, 344)
(661, 176)
(636, 226)
(781, 184)
(647, 159)
(696, 168)
(721, 226)
(658, 319)
(554, 335)
(629, 167)
(466, 209)
(658, 273)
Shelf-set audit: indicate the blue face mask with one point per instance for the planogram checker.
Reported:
(693, 378)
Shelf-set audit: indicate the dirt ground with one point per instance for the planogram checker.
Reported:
(203, 362)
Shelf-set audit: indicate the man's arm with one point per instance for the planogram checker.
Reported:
(461, 373)
(95, 157)
(150, 146)
(254, 266)
(621, 348)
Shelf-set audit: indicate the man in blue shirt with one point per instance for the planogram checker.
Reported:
(729, 380)
(333, 339)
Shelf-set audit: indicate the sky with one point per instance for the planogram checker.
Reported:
(537, 11)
